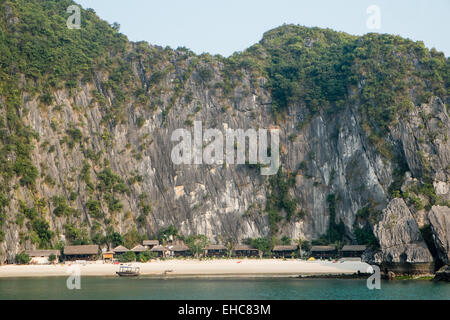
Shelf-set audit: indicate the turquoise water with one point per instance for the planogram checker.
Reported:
(212, 289)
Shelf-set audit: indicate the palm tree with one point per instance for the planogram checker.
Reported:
(164, 244)
(230, 248)
(229, 243)
(197, 244)
(300, 243)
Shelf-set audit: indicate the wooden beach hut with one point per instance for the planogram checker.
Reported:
(108, 256)
(179, 250)
(150, 244)
(138, 249)
(244, 250)
(119, 250)
(42, 256)
(159, 250)
(84, 252)
(353, 251)
(286, 251)
(215, 250)
(324, 252)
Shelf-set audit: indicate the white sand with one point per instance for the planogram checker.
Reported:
(219, 267)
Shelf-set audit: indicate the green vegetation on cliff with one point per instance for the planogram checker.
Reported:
(326, 70)
(37, 43)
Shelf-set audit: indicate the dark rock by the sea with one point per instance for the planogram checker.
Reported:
(443, 274)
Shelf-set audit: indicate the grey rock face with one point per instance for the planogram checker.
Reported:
(225, 201)
(399, 236)
(439, 217)
(424, 141)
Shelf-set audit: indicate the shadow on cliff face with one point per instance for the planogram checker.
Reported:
(427, 235)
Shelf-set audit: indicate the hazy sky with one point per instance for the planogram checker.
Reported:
(226, 26)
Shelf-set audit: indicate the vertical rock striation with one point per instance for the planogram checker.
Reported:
(402, 247)
(439, 217)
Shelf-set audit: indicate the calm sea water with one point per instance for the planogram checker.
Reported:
(211, 289)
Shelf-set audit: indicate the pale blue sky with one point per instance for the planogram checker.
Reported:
(226, 26)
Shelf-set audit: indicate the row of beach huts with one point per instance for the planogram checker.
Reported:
(179, 249)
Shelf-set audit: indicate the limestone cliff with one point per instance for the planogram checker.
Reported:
(102, 140)
(399, 235)
(439, 220)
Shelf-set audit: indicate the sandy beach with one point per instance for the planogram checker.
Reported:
(194, 268)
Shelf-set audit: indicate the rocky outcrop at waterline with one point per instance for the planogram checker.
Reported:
(443, 274)
(402, 247)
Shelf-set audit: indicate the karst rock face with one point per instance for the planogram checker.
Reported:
(103, 145)
(399, 236)
(439, 217)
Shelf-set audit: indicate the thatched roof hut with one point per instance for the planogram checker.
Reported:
(120, 249)
(285, 251)
(178, 248)
(215, 250)
(139, 248)
(353, 251)
(324, 251)
(91, 249)
(42, 256)
(323, 248)
(244, 247)
(215, 247)
(42, 253)
(359, 248)
(284, 248)
(158, 248)
(245, 250)
(150, 243)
